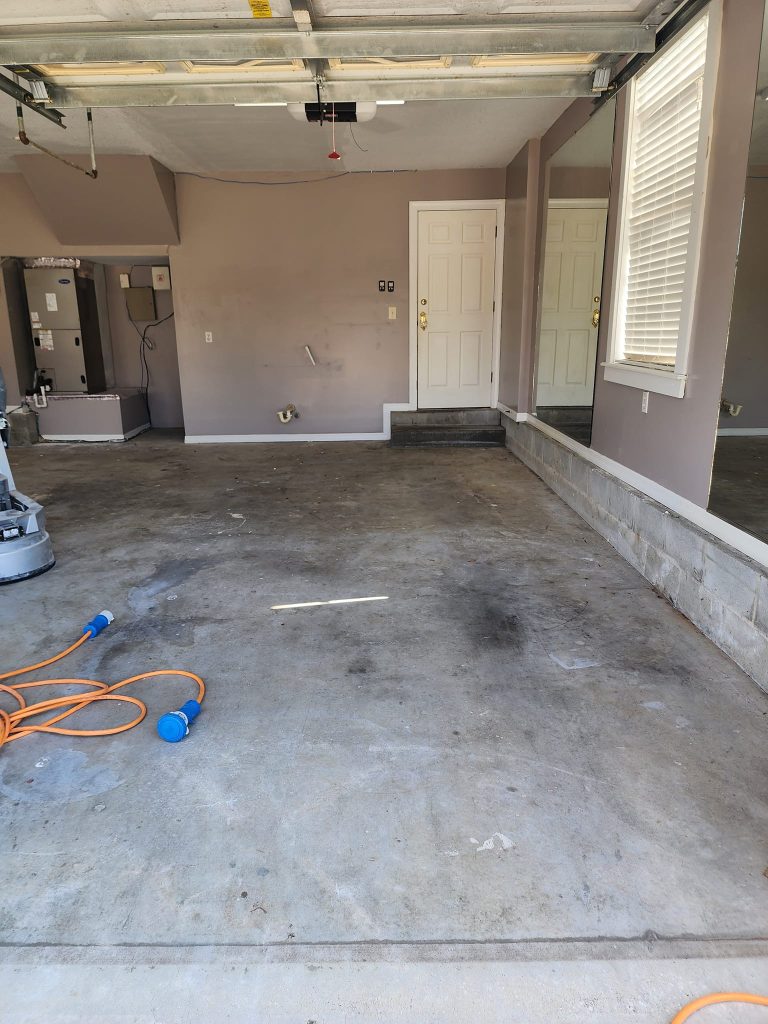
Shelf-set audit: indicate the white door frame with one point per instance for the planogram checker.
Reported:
(414, 208)
(560, 204)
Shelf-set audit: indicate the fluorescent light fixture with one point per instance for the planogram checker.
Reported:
(390, 103)
(320, 604)
(259, 104)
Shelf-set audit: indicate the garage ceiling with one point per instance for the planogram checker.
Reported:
(416, 136)
(169, 76)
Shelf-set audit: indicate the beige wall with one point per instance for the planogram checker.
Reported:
(164, 389)
(270, 269)
(746, 363)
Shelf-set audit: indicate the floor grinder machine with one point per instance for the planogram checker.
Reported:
(25, 547)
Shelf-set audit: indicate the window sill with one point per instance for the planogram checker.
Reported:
(646, 378)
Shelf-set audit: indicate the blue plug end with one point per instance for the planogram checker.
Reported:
(98, 623)
(173, 726)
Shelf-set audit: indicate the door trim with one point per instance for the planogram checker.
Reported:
(414, 208)
(558, 204)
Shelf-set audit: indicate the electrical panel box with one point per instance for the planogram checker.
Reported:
(161, 279)
(63, 315)
(141, 304)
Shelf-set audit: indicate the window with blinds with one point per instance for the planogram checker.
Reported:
(665, 162)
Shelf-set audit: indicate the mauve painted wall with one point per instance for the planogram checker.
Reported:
(519, 277)
(25, 232)
(579, 182)
(674, 443)
(271, 269)
(514, 267)
(130, 202)
(746, 361)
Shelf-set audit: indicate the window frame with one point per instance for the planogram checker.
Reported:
(616, 370)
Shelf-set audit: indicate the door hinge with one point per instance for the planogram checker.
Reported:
(494, 306)
(491, 376)
(496, 231)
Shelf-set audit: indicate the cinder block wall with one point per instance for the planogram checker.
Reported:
(724, 593)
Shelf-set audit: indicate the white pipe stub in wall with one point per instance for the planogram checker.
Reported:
(730, 408)
(288, 413)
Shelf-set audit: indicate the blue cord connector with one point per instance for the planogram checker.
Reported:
(98, 623)
(174, 725)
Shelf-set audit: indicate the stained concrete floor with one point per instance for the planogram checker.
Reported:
(522, 787)
(739, 492)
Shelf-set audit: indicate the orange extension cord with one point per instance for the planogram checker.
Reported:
(14, 725)
(718, 997)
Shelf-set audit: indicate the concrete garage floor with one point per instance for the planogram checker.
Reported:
(521, 789)
(739, 492)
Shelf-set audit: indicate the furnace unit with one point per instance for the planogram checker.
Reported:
(64, 317)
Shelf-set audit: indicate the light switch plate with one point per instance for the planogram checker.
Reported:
(393, 312)
(125, 280)
(209, 337)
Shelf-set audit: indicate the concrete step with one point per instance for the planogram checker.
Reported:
(565, 415)
(447, 417)
(444, 436)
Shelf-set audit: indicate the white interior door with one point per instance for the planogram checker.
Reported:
(573, 271)
(455, 280)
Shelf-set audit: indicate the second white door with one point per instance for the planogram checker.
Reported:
(456, 269)
(573, 270)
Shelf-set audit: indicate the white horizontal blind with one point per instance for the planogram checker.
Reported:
(661, 189)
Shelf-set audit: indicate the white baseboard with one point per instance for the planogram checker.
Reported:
(96, 437)
(518, 417)
(742, 432)
(738, 539)
(383, 435)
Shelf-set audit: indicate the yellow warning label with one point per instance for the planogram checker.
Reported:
(260, 8)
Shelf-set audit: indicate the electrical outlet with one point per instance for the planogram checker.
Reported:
(393, 312)
(209, 337)
(644, 403)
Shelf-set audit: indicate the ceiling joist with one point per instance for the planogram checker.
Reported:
(168, 41)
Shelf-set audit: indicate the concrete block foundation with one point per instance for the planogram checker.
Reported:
(724, 593)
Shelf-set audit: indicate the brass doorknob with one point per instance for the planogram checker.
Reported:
(423, 320)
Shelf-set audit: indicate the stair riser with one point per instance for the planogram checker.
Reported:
(447, 417)
(434, 435)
